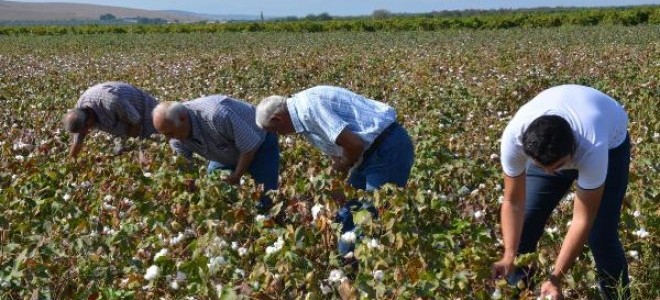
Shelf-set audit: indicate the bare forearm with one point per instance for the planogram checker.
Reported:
(571, 247)
(513, 213)
(75, 149)
(351, 156)
(352, 149)
(585, 209)
(512, 217)
(244, 161)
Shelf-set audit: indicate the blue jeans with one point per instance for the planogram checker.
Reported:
(264, 168)
(543, 193)
(389, 162)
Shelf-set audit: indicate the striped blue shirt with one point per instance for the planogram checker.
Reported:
(117, 106)
(221, 129)
(321, 113)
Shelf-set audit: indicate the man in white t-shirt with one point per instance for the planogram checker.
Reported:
(566, 133)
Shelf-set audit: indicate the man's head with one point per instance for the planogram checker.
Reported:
(79, 120)
(549, 141)
(273, 116)
(171, 119)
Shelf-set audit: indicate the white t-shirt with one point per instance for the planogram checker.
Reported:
(599, 123)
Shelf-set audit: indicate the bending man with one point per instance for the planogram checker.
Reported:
(568, 133)
(114, 107)
(222, 130)
(360, 135)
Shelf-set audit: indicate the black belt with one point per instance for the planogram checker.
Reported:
(379, 139)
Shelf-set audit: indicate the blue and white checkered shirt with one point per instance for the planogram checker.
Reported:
(221, 129)
(117, 106)
(321, 113)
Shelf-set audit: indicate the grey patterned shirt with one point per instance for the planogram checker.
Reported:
(221, 129)
(118, 105)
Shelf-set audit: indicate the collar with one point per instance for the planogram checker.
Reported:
(293, 114)
(195, 131)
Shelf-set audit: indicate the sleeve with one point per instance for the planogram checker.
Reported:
(592, 170)
(246, 137)
(180, 149)
(513, 158)
(324, 120)
(78, 138)
(125, 111)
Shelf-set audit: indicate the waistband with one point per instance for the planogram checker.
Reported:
(380, 138)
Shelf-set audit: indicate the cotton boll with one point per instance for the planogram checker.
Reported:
(152, 273)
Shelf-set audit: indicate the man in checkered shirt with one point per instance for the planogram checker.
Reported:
(222, 130)
(117, 108)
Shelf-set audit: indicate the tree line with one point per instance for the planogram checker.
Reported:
(381, 20)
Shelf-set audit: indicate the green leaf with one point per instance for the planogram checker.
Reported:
(228, 294)
(362, 217)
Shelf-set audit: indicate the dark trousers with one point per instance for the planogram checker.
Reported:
(264, 169)
(543, 193)
(388, 162)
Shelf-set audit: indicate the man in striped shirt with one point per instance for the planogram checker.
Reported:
(360, 135)
(222, 130)
(117, 108)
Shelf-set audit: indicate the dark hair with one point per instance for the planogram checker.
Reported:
(548, 139)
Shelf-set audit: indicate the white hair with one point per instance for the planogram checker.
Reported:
(267, 108)
(75, 120)
(171, 112)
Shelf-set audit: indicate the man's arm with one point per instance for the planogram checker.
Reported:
(75, 149)
(77, 143)
(512, 218)
(183, 151)
(353, 147)
(126, 113)
(585, 209)
(244, 161)
(247, 140)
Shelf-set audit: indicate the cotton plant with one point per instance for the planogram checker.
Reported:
(349, 237)
(242, 251)
(215, 246)
(641, 233)
(162, 253)
(173, 241)
(317, 209)
(239, 272)
(336, 276)
(373, 243)
(496, 295)
(152, 273)
(552, 230)
(215, 264)
(260, 218)
(176, 281)
(276, 247)
(325, 289)
(378, 275)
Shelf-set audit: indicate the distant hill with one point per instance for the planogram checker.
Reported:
(12, 11)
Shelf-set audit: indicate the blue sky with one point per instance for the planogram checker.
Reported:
(340, 7)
